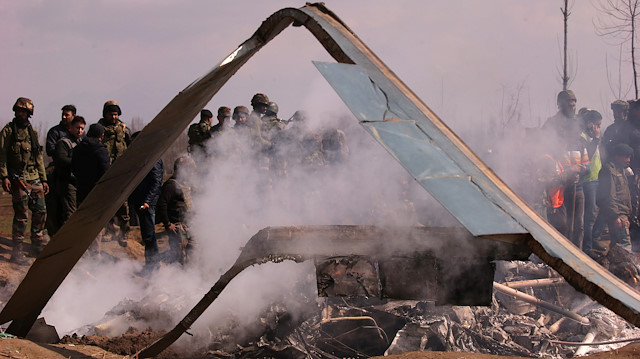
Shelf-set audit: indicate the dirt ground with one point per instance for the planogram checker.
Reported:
(20, 348)
(127, 344)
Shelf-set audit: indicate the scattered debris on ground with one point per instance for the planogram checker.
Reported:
(365, 327)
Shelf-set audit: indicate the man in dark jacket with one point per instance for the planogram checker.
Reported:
(55, 134)
(173, 207)
(65, 186)
(144, 199)
(614, 198)
(90, 160)
(60, 130)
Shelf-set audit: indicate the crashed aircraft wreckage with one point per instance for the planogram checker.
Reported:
(365, 261)
(390, 112)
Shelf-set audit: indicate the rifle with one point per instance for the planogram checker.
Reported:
(20, 182)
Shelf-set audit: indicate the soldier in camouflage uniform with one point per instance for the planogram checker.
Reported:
(224, 115)
(117, 137)
(271, 124)
(24, 176)
(200, 132)
(253, 125)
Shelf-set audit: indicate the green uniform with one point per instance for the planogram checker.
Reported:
(116, 138)
(254, 124)
(21, 161)
(198, 133)
(271, 126)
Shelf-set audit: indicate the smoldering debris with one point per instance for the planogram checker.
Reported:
(364, 327)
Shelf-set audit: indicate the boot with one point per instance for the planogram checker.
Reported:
(17, 256)
(37, 245)
(123, 239)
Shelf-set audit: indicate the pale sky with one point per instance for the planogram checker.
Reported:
(459, 57)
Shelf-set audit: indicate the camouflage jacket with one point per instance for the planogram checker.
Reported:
(254, 123)
(117, 138)
(271, 125)
(20, 154)
(199, 132)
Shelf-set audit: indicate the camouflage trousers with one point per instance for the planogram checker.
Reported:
(21, 204)
(181, 245)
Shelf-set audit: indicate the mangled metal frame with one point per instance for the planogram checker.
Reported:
(463, 278)
(394, 116)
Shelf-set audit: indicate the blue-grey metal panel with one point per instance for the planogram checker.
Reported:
(442, 178)
(366, 100)
(465, 201)
(412, 147)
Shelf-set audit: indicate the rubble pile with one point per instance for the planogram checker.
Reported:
(364, 327)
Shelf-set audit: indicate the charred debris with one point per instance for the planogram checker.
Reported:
(375, 303)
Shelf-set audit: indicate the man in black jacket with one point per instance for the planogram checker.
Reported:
(144, 199)
(173, 207)
(90, 160)
(65, 186)
(61, 130)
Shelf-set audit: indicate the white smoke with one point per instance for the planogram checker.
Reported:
(234, 196)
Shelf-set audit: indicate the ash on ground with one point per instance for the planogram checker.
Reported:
(365, 327)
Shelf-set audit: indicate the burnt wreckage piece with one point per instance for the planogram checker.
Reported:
(390, 112)
(445, 265)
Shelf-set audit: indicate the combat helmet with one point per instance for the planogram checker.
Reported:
(259, 98)
(240, 110)
(111, 106)
(25, 103)
(272, 110)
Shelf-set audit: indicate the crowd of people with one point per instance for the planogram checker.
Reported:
(52, 193)
(590, 179)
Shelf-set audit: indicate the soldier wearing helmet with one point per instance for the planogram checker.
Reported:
(240, 115)
(253, 125)
(224, 115)
(198, 133)
(271, 124)
(117, 137)
(24, 176)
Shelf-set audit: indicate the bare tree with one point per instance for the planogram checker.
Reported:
(565, 77)
(617, 21)
(617, 86)
(565, 15)
(510, 107)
